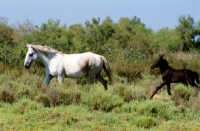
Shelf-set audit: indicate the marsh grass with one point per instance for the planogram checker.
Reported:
(182, 94)
(144, 122)
(7, 96)
(98, 99)
(130, 92)
(26, 103)
(158, 108)
(131, 70)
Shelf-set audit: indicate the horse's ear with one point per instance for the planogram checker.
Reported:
(29, 46)
(26, 46)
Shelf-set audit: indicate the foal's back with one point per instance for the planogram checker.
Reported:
(184, 76)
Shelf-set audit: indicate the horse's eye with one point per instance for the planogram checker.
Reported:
(31, 54)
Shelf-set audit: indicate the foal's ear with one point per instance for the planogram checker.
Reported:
(161, 55)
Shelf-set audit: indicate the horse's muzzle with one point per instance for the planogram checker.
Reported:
(27, 66)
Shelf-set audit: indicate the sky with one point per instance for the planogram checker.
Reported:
(155, 14)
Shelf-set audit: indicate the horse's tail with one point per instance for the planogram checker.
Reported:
(107, 69)
(196, 77)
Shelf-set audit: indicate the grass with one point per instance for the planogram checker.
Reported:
(79, 117)
(27, 104)
(89, 107)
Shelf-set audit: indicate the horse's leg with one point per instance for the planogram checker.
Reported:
(48, 79)
(169, 89)
(91, 77)
(102, 80)
(158, 88)
(61, 78)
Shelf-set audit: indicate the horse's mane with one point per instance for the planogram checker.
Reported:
(43, 49)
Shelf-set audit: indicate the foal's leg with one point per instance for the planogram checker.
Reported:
(169, 89)
(102, 80)
(158, 88)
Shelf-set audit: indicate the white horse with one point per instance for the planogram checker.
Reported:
(68, 65)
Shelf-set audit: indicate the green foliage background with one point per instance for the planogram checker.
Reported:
(129, 46)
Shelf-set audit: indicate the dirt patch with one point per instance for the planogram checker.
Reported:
(161, 97)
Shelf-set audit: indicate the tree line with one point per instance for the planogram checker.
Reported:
(125, 42)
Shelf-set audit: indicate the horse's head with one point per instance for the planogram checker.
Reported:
(31, 56)
(157, 61)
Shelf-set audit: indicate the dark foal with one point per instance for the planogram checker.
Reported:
(170, 75)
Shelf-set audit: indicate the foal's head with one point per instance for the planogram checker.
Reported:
(31, 56)
(158, 62)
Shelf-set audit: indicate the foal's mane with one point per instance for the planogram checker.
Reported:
(164, 61)
(43, 49)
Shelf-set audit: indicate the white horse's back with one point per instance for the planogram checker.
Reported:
(78, 65)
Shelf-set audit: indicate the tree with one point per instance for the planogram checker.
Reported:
(53, 34)
(198, 35)
(76, 37)
(6, 41)
(165, 39)
(5, 31)
(186, 31)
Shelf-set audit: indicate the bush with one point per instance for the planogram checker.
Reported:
(156, 108)
(7, 96)
(130, 70)
(102, 100)
(145, 122)
(194, 103)
(108, 119)
(44, 99)
(130, 107)
(182, 94)
(26, 105)
(130, 93)
(53, 95)
(70, 96)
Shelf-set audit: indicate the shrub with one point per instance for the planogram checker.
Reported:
(194, 104)
(53, 95)
(22, 91)
(108, 119)
(156, 108)
(130, 93)
(44, 99)
(26, 105)
(182, 94)
(102, 100)
(70, 96)
(119, 89)
(139, 93)
(130, 107)
(145, 122)
(131, 71)
(7, 96)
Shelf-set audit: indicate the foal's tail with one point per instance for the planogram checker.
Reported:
(107, 69)
(196, 77)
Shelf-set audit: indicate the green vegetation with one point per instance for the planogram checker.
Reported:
(26, 103)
